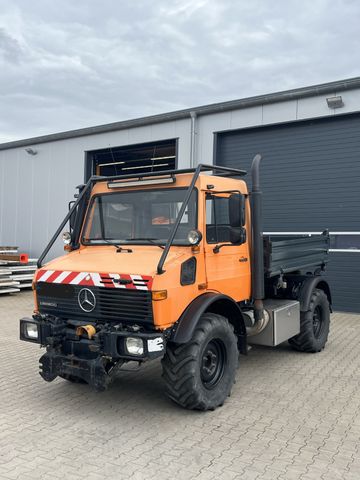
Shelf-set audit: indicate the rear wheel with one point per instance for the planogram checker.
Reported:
(199, 375)
(314, 325)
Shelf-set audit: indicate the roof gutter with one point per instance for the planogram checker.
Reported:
(304, 92)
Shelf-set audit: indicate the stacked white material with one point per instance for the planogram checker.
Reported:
(14, 275)
(23, 274)
(7, 284)
(9, 250)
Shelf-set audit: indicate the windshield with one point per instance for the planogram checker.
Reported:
(143, 217)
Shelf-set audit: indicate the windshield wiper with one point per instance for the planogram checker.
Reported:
(147, 239)
(119, 248)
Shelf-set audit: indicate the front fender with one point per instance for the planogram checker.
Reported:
(210, 302)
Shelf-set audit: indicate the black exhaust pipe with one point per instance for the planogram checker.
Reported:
(258, 290)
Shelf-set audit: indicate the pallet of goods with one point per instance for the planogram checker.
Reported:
(16, 270)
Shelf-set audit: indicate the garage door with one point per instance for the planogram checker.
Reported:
(311, 181)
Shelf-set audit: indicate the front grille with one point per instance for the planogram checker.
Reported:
(112, 304)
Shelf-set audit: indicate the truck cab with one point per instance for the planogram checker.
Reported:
(167, 265)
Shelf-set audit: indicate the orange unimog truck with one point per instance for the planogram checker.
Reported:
(175, 265)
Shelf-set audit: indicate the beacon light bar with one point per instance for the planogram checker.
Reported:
(140, 182)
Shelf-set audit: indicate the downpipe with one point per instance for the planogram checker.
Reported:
(193, 117)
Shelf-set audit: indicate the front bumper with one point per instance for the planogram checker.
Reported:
(88, 358)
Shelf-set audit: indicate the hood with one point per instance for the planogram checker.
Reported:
(143, 260)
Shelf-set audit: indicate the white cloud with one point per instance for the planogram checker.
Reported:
(72, 64)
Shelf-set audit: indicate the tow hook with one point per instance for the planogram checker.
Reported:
(90, 330)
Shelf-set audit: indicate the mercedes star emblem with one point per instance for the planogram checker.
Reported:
(86, 300)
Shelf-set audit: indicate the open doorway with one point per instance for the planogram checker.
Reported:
(140, 158)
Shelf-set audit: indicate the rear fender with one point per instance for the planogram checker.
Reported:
(215, 303)
(307, 289)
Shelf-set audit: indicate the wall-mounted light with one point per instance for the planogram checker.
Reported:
(335, 102)
(31, 151)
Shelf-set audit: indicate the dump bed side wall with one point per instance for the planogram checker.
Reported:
(285, 254)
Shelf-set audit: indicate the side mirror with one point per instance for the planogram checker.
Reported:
(237, 210)
(237, 235)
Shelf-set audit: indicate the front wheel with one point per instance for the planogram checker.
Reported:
(314, 325)
(199, 375)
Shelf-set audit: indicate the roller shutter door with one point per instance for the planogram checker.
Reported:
(311, 181)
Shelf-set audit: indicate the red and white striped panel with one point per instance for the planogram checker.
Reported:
(88, 279)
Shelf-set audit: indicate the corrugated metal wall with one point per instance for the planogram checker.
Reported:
(34, 196)
(311, 181)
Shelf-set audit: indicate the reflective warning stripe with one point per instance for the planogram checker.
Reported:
(93, 279)
(139, 282)
(61, 277)
(45, 275)
(80, 276)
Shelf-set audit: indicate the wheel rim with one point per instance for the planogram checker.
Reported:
(213, 363)
(317, 321)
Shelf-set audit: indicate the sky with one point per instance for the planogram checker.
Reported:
(74, 63)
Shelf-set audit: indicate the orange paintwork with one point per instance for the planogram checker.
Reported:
(227, 272)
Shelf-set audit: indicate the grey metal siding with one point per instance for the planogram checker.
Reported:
(330, 88)
(34, 197)
(311, 181)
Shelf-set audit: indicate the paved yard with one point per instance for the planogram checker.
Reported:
(290, 416)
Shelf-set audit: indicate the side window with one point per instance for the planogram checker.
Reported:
(217, 219)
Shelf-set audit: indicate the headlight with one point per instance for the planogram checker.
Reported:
(66, 236)
(31, 330)
(134, 346)
(194, 237)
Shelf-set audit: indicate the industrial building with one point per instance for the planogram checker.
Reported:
(309, 138)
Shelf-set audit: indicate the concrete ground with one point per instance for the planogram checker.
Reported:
(290, 416)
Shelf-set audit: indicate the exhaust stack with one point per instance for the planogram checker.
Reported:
(257, 241)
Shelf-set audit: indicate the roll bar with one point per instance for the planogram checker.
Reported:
(94, 179)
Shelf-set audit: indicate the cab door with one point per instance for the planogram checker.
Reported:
(227, 264)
